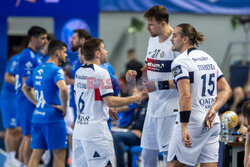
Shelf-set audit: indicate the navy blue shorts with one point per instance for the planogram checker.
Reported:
(49, 136)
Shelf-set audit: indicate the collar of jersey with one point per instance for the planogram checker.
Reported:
(88, 66)
(190, 50)
(32, 50)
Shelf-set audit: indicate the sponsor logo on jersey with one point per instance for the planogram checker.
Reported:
(176, 71)
(207, 102)
(82, 119)
(159, 65)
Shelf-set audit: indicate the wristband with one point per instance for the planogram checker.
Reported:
(139, 74)
(163, 85)
(184, 116)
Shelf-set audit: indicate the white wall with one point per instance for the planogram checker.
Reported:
(216, 28)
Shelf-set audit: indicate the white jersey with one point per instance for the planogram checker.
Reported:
(159, 59)
(92, 83)
(203, 73)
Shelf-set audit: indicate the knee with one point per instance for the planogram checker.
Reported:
(59, 154)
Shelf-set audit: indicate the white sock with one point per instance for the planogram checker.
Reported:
(46, 157)
(20, 164)
(12, 155)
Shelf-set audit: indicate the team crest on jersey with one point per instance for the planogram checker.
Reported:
(176, 70)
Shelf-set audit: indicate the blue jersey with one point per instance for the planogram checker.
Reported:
(44, 81)
(11, 68)
(43, 58)
(108, 67)
(27, 62)
(115, 83)
(76, 65)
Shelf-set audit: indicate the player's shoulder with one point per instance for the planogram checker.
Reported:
(99, 70)
(153, 40)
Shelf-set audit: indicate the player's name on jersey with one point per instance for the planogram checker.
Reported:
(206, 67)
(207, 102)
(200, 59)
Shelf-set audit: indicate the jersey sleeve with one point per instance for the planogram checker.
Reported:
(179, 70)
(29, 81)
(105, 84)
(59, 75)
(219, 72)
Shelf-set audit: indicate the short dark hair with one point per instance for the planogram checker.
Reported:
(246, 109)
(55, 45)
(51, 37)
(188, 30)
(90, 47)
(132, 50)
(82, 33)
(159, 12)
(36, 31)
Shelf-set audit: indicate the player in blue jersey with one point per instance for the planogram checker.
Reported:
(27, 62)
(50, 96)
(43, 53)
(8, 110)
(78, 39)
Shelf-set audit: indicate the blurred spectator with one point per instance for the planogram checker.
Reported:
(133, 63)
(235, 102)
(132, 135)
(247, 91)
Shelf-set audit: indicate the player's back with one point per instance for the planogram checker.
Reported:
(203, 74)
(28, 60)
(11, 68)
(44, 81)
(92, 83)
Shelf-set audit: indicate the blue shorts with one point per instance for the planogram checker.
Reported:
(25, 109)
(8, 110)
(49, 136)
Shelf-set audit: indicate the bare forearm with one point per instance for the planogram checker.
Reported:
(185, 102)
(123, 108)
(63, 93)
(119, 101)
(144, 72)
(30, 94)
(9, 78)
(221, 99)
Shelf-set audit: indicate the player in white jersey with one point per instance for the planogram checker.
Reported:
(202, 91)
(92, 140)
(163, 102)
